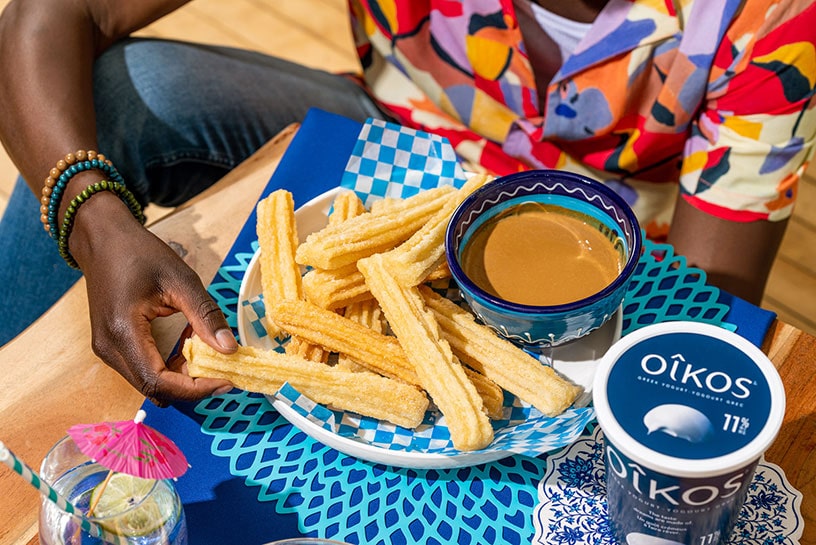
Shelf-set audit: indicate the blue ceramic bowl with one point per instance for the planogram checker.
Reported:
(538, 327)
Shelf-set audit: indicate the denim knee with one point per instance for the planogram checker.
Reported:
(176, 116)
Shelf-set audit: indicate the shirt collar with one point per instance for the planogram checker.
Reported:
(622, 26)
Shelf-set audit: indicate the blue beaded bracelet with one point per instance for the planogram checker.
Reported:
(65, 176)
(70, 213)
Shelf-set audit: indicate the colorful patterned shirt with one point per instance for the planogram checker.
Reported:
(715, 97)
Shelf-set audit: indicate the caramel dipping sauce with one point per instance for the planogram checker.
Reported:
(542, 255)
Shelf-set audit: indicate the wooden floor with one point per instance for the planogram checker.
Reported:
(316, 33)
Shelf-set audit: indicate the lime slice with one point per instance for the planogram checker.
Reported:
(131, 506)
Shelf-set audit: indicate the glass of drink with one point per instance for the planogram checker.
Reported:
(140, 511)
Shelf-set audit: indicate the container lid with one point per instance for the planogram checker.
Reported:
(688, 399)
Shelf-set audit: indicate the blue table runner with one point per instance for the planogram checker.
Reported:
(254, 478)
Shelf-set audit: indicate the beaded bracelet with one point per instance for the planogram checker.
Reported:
(58, 178)
(70, 213)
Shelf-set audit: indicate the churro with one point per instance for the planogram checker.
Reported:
(346, 205)
(368, 347)
(438, 371)
(371, 349)
(339, 288)
(265, 372)
(367, 314)
(278, 240)
(500, 360)
(343, 244)
(335, 288)
(491, 394)
(306, 350)
(412, 261)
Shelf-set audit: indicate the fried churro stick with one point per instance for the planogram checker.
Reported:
(336, 288)
(491, 394)
(339, 288)
(343, 244)
(375, 351)
(306, 350)
(440, 375)
(368, 347)
(278, 240)
(383, 205)
(266, 371)
(368, 314)
(412, 261)
(500, 360)
(439, 273)
(346, 205)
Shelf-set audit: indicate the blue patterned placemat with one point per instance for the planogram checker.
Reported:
(341, 497)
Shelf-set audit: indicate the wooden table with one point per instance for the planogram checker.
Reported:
(51, 379)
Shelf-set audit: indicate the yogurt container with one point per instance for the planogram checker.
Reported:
(687, 410)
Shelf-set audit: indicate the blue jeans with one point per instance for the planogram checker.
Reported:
(174, 118)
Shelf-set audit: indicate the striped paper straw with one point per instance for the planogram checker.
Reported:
(32, 478)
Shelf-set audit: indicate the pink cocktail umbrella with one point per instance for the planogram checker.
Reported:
(130, 447)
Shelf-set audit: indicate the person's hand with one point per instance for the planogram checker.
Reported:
(132, 278)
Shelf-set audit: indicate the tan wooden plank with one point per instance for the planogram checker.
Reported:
(811, 170)
(56, 349)
(805, 209)
(791, 289)
(323, 20)
(798, 245)
(791, 294)
(192, 25)
(308, 42)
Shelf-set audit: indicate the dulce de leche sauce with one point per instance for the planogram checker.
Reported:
(540, 254)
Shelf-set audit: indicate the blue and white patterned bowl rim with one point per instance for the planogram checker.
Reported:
(529, 182)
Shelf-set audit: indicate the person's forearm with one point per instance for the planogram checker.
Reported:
(47, 108)
(736, 257)
(47, 51)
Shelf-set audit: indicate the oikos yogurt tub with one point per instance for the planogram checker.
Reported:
(687, 410)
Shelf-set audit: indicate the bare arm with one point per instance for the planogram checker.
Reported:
(737, 257)
(747, 148)
(47, 50)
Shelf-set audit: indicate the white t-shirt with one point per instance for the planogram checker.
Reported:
(564, 32)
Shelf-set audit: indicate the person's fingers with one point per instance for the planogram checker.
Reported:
(172, 385)
(206, 318)
(134, 354)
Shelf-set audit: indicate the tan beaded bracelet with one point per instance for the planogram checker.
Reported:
(60, 175)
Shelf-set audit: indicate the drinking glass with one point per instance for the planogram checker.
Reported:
(154, 517)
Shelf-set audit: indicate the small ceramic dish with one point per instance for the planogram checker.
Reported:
(539, 327)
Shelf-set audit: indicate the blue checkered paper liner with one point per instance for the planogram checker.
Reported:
(522, 430)
(393, 161)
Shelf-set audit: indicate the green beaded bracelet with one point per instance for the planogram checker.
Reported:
(70, 213)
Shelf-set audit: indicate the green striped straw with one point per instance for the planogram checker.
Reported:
(20, 467)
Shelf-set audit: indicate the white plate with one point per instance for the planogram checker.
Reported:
(576, 361)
